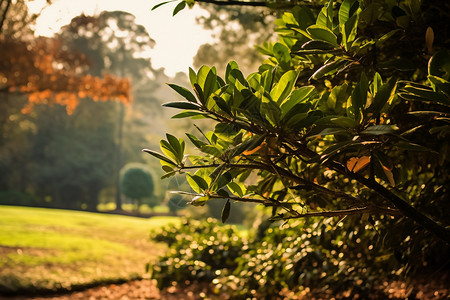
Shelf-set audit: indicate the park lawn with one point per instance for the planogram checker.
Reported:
(57, 250)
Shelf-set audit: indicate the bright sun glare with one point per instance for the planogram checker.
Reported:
(177, 38)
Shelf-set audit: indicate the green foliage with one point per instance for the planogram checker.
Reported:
(320, 255)
(319, 128)
(347, 118)
(198, 251)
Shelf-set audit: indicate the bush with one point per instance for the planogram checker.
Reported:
(137, 183)
(198, 252)
(318, 255)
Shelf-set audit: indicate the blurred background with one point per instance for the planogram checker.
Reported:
(81, 88)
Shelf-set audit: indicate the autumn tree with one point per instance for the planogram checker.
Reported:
(49, 73)
(44, 69)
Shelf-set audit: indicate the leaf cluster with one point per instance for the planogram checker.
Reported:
(328, 125)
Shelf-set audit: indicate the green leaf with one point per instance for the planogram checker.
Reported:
(337, 97)
(167, 168)
(345, 11)
(168, 150)
(180, 6)
(284, 87)
(328, 69)
(318, 45)
(440, 84)
(161, 4)
(199, 92)
(226, 132)
(413, 147)
(211, 150)
(197, 143)
(313, 52)
(223, 193)
(223, 180)
(192, 76)
(226, 211)
(169, 174)
(350, 29)
(217, 172)
(271, 111)
(376, 84)
(325, 17)
(370, 14)
(383, 95)
(424, 94)
(188, 114)
(344, 122)
(197, 183)
(236, 77)
(199, 200)
(296, 97)
(359, 96)
(439, 64)
(232, 65)
(237, 188)
(182, 105)
(183, 92)
(329, 131)
(177, 146)
(385, 37)
(282, 54)
(210, 85)
(160, 156)
(318, 32)
(380, 130)
(222, 105)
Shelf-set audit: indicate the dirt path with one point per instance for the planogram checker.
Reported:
(146, 289)
(133, 290)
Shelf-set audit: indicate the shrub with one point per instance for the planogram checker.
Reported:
(319, 255)
(198, 251)
(137, 183)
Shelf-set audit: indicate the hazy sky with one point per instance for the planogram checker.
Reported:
(177, 38)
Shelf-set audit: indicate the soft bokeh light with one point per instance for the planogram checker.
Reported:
(177, 38)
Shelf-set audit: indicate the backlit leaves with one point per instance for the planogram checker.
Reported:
(48, 74)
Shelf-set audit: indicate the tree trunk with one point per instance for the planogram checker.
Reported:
(119, 155)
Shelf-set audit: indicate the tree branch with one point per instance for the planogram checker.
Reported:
(301, 151)
(282, 173)
(346, 212)
(404, 207)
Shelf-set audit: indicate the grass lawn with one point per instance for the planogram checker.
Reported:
(50, 249)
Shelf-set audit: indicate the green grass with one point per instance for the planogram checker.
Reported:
(50, 249)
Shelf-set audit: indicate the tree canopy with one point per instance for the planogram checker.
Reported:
(136, 183)
(44, 69)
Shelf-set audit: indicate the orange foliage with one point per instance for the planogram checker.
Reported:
(50, 74)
